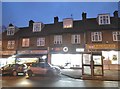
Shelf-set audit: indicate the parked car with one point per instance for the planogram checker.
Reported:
(14, 69)
(44, 69)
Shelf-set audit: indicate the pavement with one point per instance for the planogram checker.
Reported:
(109, 75)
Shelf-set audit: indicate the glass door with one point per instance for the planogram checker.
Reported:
(92, 64)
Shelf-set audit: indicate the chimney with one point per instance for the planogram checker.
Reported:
(10, 24)
(84, 16)
(56, 19)
(115, 14)
(31, 23)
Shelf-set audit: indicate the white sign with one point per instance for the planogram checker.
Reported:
(65, 49)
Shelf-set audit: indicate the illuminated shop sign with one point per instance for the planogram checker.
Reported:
(79, 49)
(33, 52)
(57, 49)
(101, 46)
(7, 52)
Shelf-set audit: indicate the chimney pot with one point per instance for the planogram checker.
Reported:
(56, 19)
(84, 16)
(115, 13)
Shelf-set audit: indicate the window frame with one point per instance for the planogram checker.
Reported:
(24, 44)
(76, 39)
(10, 30)
(39, 24)
(11, 44)
(115, 35)
(104, 19)
(57, 39)
(68, 23)
(41, 41)
(96, 34)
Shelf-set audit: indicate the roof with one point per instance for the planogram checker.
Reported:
(90, 24)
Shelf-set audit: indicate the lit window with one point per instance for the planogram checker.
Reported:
(58, 39)
(104, 19)
(11, 30)
(25, 42)
(75, 39)
(116, 36)
(36, 27)
(68, 23)
(96, 36)
(41, 41)
(11, 44)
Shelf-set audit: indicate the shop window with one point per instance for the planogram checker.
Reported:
(96, 36)
(41, 41)
(103, 19)
(58, 39)
(36, 27)
(11, 30)
(68, 23)
(11, 44)
(25, 42)
(75, 39)
(116, 36)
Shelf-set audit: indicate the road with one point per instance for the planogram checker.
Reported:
(61, 81)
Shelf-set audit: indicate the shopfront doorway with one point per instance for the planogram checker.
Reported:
(92, 65)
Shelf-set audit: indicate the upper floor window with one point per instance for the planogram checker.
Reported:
(41, 41)
(58, 39)
(11, 30)
(11, 44)
(75, 39)
(68, 23)
(104, 19)
(96, 36)
(116, 36)
(36, 27)
(25, 42)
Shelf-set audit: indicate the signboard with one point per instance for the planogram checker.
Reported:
(7, 52)
(33, 52)
(101, 46)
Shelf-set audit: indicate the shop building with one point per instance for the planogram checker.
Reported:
(65, 42)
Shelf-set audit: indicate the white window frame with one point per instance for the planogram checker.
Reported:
(25, 42)
(75, 39)
(37, 26)
(41, 41)
(115, 35)
(68, 23)
(104, 19)
(57, 39)
(96, 36)
(11, 30)
(11, 44)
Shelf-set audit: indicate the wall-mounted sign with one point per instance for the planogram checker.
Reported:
(101, 46)
(65, 49)
(33, 52)
(8, 52)
(79, 49)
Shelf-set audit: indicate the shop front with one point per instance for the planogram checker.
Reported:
(30, 56)
(110, 54)
(66, 57)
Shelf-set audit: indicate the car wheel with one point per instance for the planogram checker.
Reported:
(50, 73)
(29, 73)
(14, 73)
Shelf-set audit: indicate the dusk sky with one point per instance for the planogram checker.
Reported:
(19, 13)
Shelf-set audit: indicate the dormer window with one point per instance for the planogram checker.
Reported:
(36, 27)
(103, 19)
(11, 30)
(68, 23)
